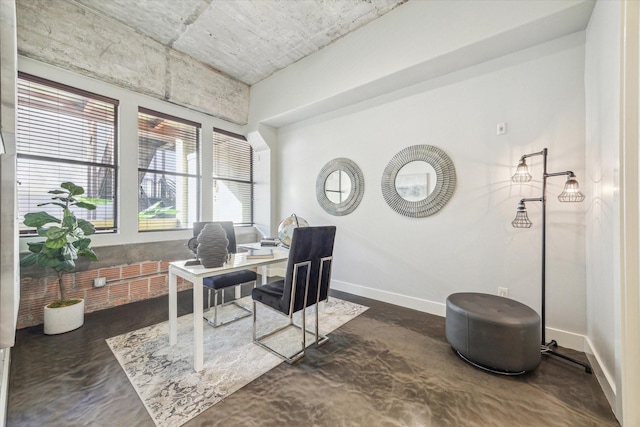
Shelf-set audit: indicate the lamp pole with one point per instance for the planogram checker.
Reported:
(550, 347)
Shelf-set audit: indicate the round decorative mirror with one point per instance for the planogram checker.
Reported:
(418, 181)
(340, 186)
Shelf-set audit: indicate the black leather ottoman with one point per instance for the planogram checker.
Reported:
(493, 333)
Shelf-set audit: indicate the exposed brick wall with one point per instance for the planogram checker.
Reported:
(125, 284)
(134, 272)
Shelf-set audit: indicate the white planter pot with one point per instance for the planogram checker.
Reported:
(63, 319)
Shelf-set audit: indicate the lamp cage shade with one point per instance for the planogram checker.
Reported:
(522, 172)
(571, 192)
(522, 219)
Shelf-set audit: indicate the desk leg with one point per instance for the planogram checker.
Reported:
(263, 274)
(173, 307)
(198, 333)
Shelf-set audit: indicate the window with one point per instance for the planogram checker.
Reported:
(168, 171)
(232, 178)
(66, 134)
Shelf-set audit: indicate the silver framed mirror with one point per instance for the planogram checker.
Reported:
(418, 181)
(340, 186)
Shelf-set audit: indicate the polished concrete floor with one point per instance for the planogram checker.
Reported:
(390, 366)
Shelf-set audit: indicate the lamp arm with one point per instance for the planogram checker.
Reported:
(566, 173)
(538, 199)
(539, 153)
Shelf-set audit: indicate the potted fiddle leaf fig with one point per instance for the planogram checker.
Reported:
(65, 240)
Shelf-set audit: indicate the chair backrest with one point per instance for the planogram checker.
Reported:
(227, 226)
(309, 244)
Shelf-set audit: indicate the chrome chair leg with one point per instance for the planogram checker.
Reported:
(215, 306)
(304, 329)
(215, 322)
(258, 339)
(254, 321)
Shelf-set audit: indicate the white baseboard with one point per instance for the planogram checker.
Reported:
(431, 307)
(606, 380)
(4, 384)
(566, 339)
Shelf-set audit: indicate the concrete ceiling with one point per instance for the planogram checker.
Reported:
(245, 39)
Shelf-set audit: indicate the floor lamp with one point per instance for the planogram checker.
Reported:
(571, 193)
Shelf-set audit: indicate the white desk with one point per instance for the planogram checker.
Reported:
(195, 274)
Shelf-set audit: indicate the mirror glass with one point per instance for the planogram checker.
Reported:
(415, 181)
(337, 187)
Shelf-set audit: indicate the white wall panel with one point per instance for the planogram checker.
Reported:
(602, 88)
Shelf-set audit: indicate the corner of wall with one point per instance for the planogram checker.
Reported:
(606, 380)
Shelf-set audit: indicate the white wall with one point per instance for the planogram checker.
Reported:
(9, 273)
(602, 184)
(470, 244)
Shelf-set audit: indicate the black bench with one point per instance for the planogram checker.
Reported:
(493, 333)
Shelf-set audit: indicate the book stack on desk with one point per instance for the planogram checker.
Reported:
(269, 241)
(259, 253)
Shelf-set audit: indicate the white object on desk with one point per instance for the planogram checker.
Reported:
(195, 274)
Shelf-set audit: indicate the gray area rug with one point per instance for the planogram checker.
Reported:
(163, 375)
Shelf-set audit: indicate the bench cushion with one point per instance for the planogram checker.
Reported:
(498, 333)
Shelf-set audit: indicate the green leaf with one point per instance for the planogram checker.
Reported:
(82, 243)
(74, 190)
(85, 205)
(50, 252)
(55, 243)
(38, 219)
(62, 205)
(57, 192)
(56, 234)
(29, 260)
(69, 251)
(88, 252)
(87, 227)
(69, 221)
(35, 247)
(84, 249)
(45, 260)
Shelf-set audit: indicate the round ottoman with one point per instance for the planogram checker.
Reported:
(493, 333)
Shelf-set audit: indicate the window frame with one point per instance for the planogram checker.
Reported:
(250, 182)
(197, 176)
(24, 76)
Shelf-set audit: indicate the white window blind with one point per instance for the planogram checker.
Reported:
(232, 178)
(168, 171)
(66, 134)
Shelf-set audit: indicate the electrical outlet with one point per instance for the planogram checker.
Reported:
(503, 292)
(99, 282)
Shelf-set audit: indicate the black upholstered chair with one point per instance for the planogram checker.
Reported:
(217, 284)
(306, 283)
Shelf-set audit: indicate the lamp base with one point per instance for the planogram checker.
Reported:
(550, 349)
